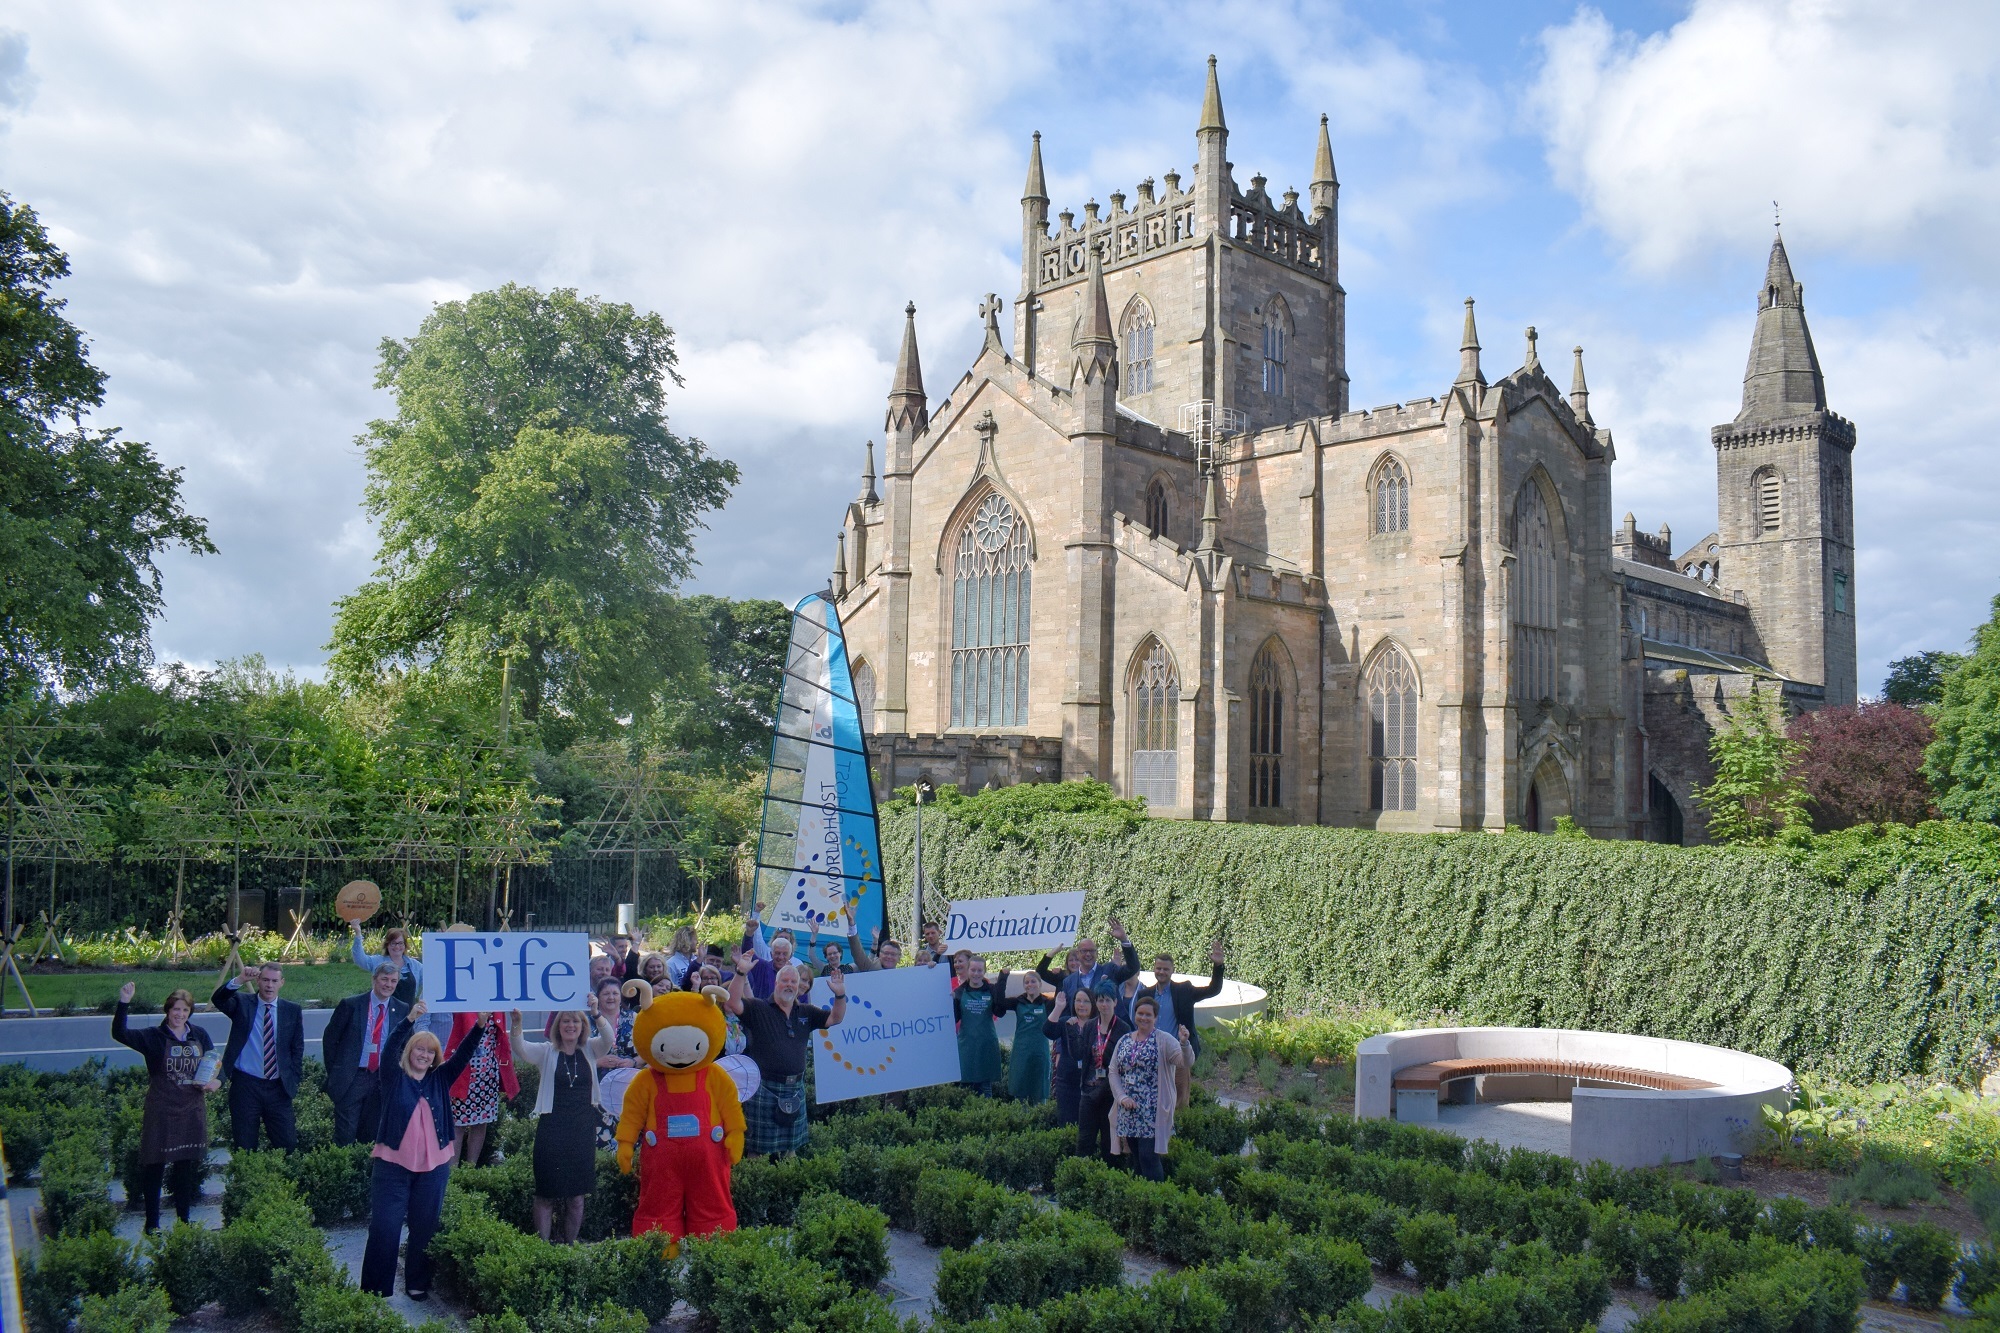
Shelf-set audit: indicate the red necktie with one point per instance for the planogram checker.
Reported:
(375, 1042)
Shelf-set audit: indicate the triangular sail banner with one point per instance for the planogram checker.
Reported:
(819, 856)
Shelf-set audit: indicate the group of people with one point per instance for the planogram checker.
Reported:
(1114, 1053)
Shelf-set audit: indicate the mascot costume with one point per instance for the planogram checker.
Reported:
(681, 1125)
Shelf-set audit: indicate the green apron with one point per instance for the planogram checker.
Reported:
(978, 1044)
(1028, 1066)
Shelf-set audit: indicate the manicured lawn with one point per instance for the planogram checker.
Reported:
(304, 982)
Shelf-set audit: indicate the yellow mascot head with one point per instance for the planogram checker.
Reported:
(680, 1031)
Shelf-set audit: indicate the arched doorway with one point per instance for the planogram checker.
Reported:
(1548, 797)
(1664, 824)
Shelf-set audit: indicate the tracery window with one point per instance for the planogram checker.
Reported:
(1157, 512)
(1535, 624)
(989, 618)
(1276, 336)
(1139, 349)
(1156, 714)
(1392, 497)
(864, 692)
(1391, 688)
(1770, 495)
(1267, 729)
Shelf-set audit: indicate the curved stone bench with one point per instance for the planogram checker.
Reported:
(1667, 1100)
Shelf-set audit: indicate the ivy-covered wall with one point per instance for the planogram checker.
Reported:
(1863, 954)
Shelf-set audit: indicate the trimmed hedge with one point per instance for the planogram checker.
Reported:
(1865, 954)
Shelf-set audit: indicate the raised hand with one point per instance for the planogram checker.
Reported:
(835, 982)
(514, 1019)
(1215, 951)
(249, 977)
(1062, 1002)
(418, 1010)
(127, 991)
(1117, 928)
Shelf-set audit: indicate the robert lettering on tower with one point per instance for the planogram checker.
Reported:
(482, 972)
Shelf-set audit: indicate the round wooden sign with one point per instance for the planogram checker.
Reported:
(357, 901)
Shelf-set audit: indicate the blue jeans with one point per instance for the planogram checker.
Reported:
(402, 1195)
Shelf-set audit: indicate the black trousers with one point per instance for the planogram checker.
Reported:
(186, 1185)
(1066, 1094)
(1093, 1126)
(260, 1101)
(357, 1111)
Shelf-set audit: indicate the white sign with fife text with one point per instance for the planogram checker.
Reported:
(898, 1033)
(496, 971)
(1033, 921)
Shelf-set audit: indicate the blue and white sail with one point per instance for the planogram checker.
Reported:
(819, 855)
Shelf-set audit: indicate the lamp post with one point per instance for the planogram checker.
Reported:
(922, 790)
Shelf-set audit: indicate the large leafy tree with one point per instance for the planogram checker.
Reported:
(1919, 678)
(83, 512)
(1756, 793)
(1963, 763)
(1864, 765)
(533, 505)
(721, 718)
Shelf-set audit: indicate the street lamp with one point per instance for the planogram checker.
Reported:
(922, 792)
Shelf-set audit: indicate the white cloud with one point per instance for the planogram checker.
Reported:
(1872, 124)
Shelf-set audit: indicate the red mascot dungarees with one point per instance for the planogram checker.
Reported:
(684, 1166)
(681, 1125)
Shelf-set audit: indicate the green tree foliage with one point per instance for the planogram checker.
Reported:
(1864, 765)
(1963, 763)
(1756, 792)
(1919, 678)
(720, 716)
(83, 513)
(532, 503)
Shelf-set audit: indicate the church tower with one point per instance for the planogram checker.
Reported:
(1784, 497)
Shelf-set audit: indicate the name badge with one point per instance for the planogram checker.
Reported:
(683, 1126)
(716, 1133)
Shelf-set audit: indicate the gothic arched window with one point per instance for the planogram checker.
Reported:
(1277, 333)
(1138, 342)
(1391, 687)
(864, 692)
(1157, 510)
(1535, 623)
(1156, 721)
(989, 618)
(1770, 500)
(1392, 497)
(1267, 729)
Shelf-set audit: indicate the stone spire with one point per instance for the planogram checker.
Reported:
(1325, 187)
(1211, 163)
(1211, 104)
(907, 407)
(868, 492)
(1037, 188)
(1094, 356)
(1468, 351)
(1783, 378)
(1579, 392)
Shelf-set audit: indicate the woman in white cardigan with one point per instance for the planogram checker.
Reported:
(1145, 1089)
(566, 1108)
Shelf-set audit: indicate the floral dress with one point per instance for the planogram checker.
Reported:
(1138, 1061)
(621, 1046)
(481, 1103)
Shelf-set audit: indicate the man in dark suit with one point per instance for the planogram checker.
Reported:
(264, 1058)
(355, 1034)
(1176, 999)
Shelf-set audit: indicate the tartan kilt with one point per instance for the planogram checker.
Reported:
(762, 1134)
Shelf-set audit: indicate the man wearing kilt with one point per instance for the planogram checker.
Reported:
(778, 1030)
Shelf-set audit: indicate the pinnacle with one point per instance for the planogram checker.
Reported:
(1211, 104)
(1323, 161)
(1037, 188)
(909, 369)
(1096, 325)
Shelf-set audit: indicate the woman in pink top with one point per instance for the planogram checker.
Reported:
(413, 1152)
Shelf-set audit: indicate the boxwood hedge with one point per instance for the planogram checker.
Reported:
(1867, 954)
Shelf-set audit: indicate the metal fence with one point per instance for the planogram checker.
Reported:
(571, 890)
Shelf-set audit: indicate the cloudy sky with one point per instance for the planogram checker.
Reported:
(254, 195)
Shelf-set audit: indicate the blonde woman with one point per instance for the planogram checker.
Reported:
(566, 1107)
(681, 959)
(414, 1147)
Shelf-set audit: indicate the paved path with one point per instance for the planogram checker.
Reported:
(56, 1044)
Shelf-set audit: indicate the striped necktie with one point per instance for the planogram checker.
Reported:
(270, 1041)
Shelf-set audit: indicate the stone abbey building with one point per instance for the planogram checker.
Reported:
(1146, 539)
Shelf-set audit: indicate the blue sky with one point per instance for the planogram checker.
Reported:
(253, 197)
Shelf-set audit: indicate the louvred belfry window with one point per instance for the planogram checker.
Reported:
(991, 596)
